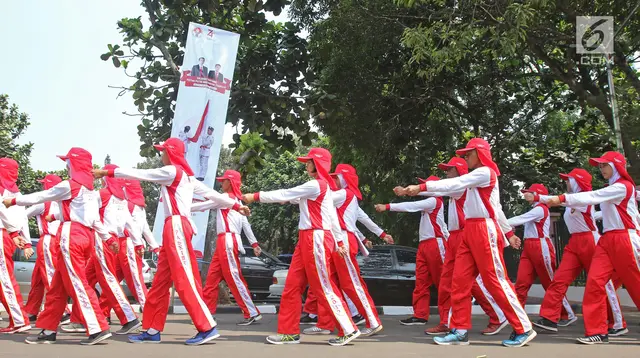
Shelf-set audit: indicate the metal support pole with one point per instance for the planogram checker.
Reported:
(614, 107)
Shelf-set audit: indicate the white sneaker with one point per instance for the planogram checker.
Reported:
(368, 332)
(316, 331)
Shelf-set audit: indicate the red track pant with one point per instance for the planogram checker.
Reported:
(352, 285)
(618, 252)
(311, 263)
(176, 265)
(9, 288)
(225, 265)
(481, 253)
(482, 296)
(76, 247)
(576, 257)
(129, 268)
(538, 259)
(429, 262)
(43, 272)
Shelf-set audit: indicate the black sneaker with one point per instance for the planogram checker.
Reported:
(33, 318)
(109, 321)
(96, 338)
(66, 319)
(129, 327)
(413, 321)
(249, 321)
(41, 338)
(595, 339)
(358, 320)
(546, 325)
(308, 320)
(618, 332)
(341, 341)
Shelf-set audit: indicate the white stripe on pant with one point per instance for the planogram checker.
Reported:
(133, 268)
(7, 288)
(229, 241)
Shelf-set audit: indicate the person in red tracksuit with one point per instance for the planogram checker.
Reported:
(177, 262)
(481, 248)
(576, 257)
(225, 263)
(455, 222)
(432, 248)
(618, 250)
(116, 219)
(78, 213)
(47, 251)
(538, 258)
(319, 232)
(14, 231)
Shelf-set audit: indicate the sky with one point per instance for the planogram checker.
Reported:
(51, 69)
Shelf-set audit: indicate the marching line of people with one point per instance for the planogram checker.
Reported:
(94, 239)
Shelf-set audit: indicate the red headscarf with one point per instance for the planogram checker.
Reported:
(134, 192)
(581, 176)
(114, 185)
(175, 150)
(9, 174)
(79, 166)
(618, 161)
(536, 188)
(455, 162)
(322, 161)
(350, 177)
(431, 178)
(49, 181)
(236, 181)
(483, 149)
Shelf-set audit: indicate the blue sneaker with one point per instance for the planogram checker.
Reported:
(519, 340)
(145, 337)
(203, 337)
(453, 338)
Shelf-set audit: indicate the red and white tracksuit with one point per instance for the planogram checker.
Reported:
(538, 258)
(455, 223)
(46, 254)
(116, 219)
(481, 249)
(576, 257)
(617, 251)
(225, 264)
(319, 230)
(78, 214)
(177, 262)
(13, 222)
(431, 252)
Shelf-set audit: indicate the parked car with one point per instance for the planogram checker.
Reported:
(23, 269)
(257, 271)
(389, 272)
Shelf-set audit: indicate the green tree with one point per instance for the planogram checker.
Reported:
(269, 53)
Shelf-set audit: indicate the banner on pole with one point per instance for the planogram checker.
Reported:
(201, 111)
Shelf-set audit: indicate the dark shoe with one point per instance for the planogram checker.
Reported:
(41, 338)
(546, 325)
(32, 318)
(618, 332)
(567, 322)
(66, 319)
(249, 321)
(595, 339)
(203, 337)
(344, 340)
(308, 320)
(145, 337)
(358, 320)
(413, 321)
(96, 338)
(129, 327)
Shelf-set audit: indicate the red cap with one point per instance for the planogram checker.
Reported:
(483, 149)
(455, 162)
(9, 174)
(581, 176)
(175, 150)
(322, 161)
(49, 181)
(431, 178)
(350, 177)
(236, 181)
(618, 161)
(536, 188)
(80, 166)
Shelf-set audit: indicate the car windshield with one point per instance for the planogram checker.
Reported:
(264, 257)
(377, 260)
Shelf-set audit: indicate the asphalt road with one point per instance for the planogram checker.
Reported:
(395, 341)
